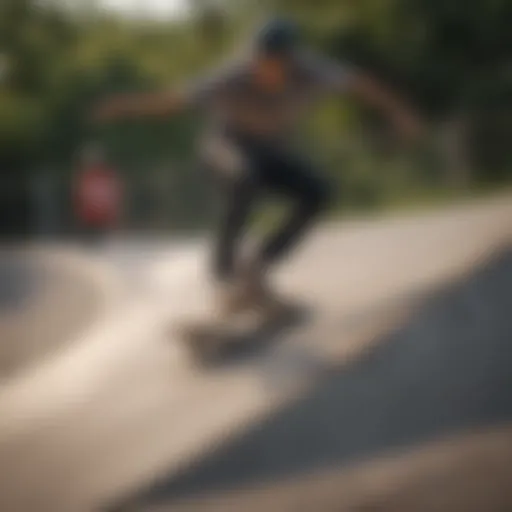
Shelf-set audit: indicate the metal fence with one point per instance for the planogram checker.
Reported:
(168, 198)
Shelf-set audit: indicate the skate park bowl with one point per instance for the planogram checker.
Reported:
(47, 297)
(395, 397)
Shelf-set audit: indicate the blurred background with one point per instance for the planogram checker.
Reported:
(450, 59)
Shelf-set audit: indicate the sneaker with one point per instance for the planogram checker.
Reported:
(232, 298)
(258, 294)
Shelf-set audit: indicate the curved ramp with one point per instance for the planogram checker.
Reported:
(47, 297)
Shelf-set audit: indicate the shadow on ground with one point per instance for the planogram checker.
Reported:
(446, 371)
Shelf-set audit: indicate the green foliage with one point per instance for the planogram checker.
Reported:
(451, 58)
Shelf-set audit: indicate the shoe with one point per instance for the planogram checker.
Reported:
(232, 298)
(259, 296)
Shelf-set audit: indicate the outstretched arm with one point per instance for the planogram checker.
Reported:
(196, 93)
(378, 96)
(138, 105)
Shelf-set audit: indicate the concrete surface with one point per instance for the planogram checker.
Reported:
(467, 472)
(47, 296)
(446, 372)
(125, 405)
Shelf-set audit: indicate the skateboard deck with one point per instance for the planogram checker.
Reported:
(212, 341)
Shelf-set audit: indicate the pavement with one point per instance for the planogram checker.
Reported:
(423, 422)
(409, 344)
(47, 296)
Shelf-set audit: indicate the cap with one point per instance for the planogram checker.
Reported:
(278, 36)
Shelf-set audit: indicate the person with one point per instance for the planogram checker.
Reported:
(97, 195)
(252, 106)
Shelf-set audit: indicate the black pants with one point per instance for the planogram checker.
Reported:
(267, 169)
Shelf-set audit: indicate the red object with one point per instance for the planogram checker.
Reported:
(98, 196)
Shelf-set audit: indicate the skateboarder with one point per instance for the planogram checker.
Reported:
(252, 105)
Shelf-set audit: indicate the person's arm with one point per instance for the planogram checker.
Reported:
(196, 93)
(336, 77)
(138, 105)
(376, 95)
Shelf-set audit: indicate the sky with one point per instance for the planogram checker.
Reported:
(142, 8)
(167, 8)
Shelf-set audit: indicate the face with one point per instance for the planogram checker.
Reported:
(272, 71)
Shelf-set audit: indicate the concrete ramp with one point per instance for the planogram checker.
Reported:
(47, 297)
(125, 406)
(377, 431)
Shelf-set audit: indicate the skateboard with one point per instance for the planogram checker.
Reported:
(230, 339)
